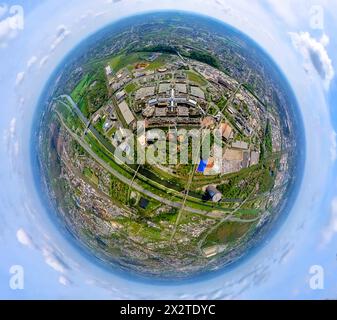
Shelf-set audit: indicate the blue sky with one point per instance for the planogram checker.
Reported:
(289, 31)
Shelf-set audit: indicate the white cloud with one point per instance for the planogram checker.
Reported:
(31, 62)
(315, 54)
(16, 148)
(24, 238)
(9, 26)
(10, 133)
(100, 14)
(53, 261)
(19, 78)
(12, 128)
(86, 15)
(61, 35)
(10, 139)
(325, 40)
(43, 61)
(6, 30)
(64, 281)
(50, 256)
(331, 229)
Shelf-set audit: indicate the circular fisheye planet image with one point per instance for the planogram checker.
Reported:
(168, 145)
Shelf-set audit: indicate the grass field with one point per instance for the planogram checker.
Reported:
(70, 119)
(83, 106)
(119, 190)
(227, 233)
(169, 216)
(197, 78)
(130, 88)
(121, 61)
(242, 184)
(80, 89)
(91, 92)
(159, 62)
(91, 176)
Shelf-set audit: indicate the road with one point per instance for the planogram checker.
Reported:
(128, 181)
(111, 149)
(182, 206)
(190, 180)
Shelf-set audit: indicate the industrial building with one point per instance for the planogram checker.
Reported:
(126, 112)
(197, 92)
(214, 193)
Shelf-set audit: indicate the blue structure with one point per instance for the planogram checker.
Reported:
(143, 203)
(202, 166)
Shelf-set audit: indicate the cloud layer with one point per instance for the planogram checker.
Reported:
(314, 52)
(61, 33)
(10, 25)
